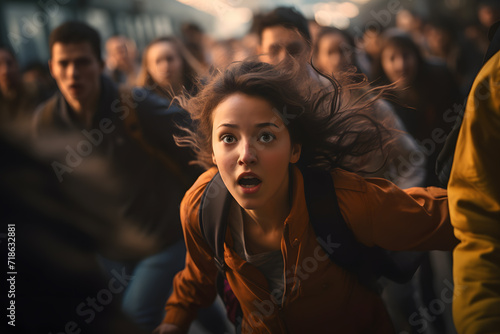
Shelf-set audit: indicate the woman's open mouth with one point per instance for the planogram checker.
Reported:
(249, 183)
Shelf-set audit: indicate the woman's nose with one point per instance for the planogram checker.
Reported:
(248, 155)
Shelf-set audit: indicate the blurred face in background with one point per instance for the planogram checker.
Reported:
(121, 53)
(165, 65)
(399, 64)
(488, 14)
(77, 72)
(439, 41)
(334, 53)
(9, 72)
(371, 43)
(277, 41)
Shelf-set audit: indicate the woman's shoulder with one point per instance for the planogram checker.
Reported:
(192, 198)
(343, 179)
(201, 183)
(349, 182)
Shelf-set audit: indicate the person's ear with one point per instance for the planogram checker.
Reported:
(295, 156)
(213, 159)
(50, 68)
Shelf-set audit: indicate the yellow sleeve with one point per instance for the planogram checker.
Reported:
(474, 191)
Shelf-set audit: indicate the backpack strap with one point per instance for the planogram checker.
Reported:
(213, 212)
(327, 220)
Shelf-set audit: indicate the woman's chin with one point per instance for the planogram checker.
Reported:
(247, 204)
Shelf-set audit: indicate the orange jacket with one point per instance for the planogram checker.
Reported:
(319, 297)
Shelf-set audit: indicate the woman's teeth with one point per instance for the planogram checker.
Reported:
(249, 182)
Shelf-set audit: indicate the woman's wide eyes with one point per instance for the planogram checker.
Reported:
(267, 137)
(228, 139)
(263, 138)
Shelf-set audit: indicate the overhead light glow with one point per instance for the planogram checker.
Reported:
(349, 9)
(220, 9)
(323, 17)
(239, 15)
(332, 19)
(340, 21)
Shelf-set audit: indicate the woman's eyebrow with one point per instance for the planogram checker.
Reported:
(229, 125)
(263, 125)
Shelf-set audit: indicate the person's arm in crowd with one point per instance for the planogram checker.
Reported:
(381, 214)
(474, 190)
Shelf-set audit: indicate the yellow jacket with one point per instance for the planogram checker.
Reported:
(474, 193)
(319, 296)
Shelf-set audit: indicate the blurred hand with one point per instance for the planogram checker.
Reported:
(167, 329)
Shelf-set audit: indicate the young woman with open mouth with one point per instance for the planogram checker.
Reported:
(255, 125)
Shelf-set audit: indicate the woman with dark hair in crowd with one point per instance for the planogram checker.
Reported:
(446, 43)
(168, 68)
(334, 53)
(256, 124)
(423, 94)
(334, 50)
(425, 99)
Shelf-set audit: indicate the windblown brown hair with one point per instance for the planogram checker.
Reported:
(331, 128)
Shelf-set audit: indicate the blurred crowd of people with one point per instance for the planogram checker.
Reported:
(431, 63)
(127, 107)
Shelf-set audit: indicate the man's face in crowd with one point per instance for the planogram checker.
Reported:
(277, 41)
(77, 71)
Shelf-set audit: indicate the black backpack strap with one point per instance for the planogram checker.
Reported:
(339, 242)
(213, 212)
(327, 221)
